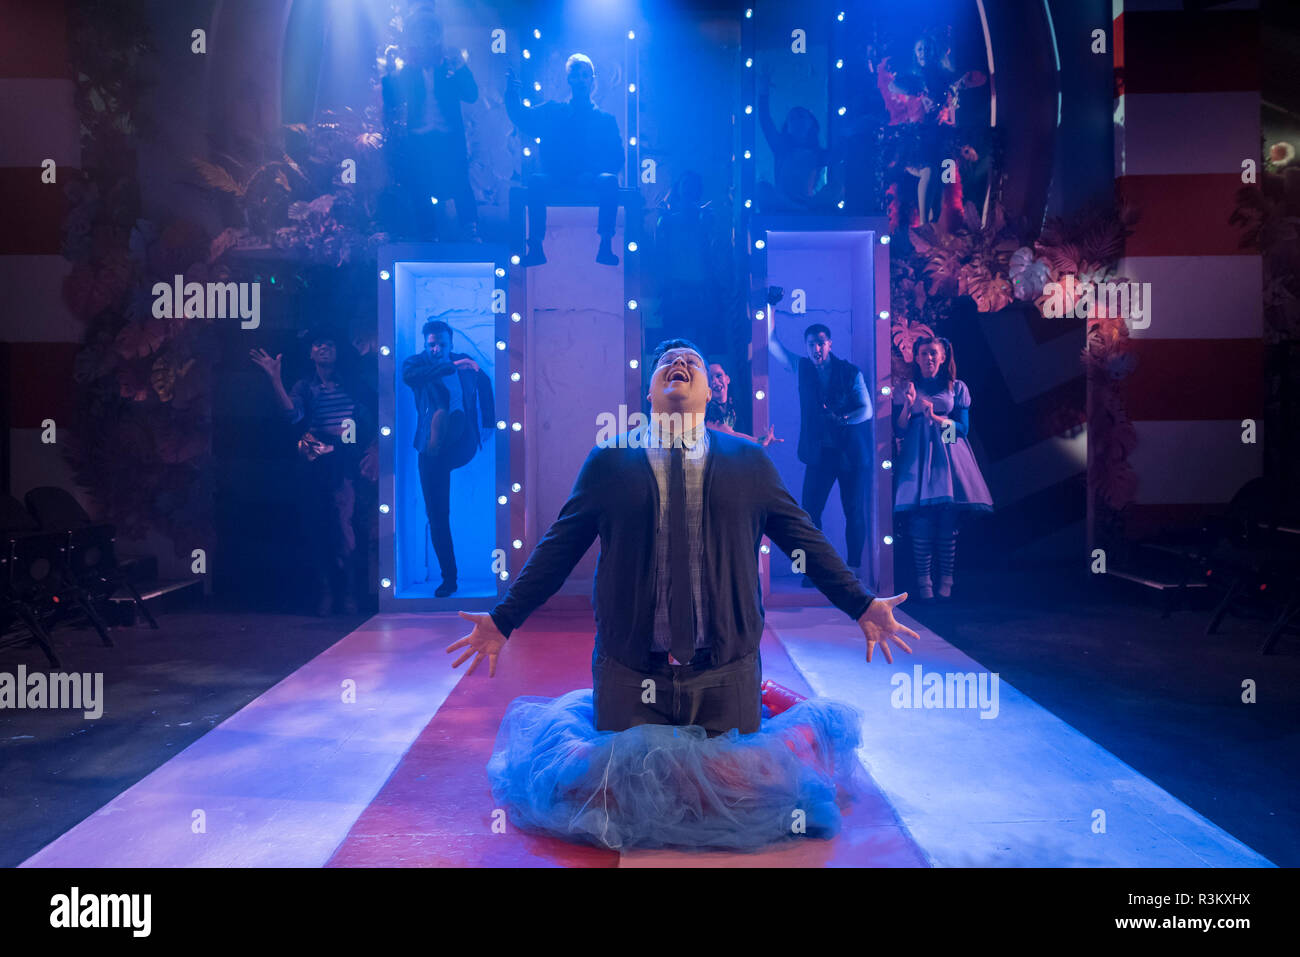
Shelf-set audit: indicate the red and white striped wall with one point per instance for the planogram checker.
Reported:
(40, 335)
(1187, 114)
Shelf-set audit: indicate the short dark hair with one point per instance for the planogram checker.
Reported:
(315, 336)
(435, 325)
(667, 344)
(815, 328)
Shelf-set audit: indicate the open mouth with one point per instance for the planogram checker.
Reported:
(679, 375)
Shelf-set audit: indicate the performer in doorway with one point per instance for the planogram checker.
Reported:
(834, 432)
(449, 389)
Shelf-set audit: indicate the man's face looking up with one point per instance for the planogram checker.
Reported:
(679, 383)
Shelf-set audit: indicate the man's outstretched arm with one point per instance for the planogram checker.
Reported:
(550, 563)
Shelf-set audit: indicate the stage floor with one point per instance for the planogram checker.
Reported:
(307, 776)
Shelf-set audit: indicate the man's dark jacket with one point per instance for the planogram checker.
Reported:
(817, 415)
(420, 372)
(616, 497)
(406, 89)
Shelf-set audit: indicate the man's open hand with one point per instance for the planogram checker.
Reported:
(878, 624)
(484, 640)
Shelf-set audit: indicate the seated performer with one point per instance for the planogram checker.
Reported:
(669, 748)
(580, 146)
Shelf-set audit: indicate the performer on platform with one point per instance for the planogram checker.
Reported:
(426, 130)
(669, 747)
(799, 161)
(580, 147)
(938, 477)
(834, 432)
(449, 388)
(721, 411)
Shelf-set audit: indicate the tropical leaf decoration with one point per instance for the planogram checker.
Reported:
(969, 259)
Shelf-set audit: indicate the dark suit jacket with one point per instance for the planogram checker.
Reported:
(616, 498)
(404, 92)
(419, 372)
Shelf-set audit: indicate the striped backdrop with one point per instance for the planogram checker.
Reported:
(1187, 112)
(41, 336)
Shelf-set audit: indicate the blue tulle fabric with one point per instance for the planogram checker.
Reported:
(663, 786)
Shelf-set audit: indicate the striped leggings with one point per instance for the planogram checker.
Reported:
(934, 534)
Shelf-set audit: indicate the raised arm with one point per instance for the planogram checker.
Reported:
(524, 117)
(774, 346)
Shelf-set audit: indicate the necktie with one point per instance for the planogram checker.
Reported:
(681, 618)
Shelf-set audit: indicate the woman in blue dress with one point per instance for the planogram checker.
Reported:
(938, 477)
